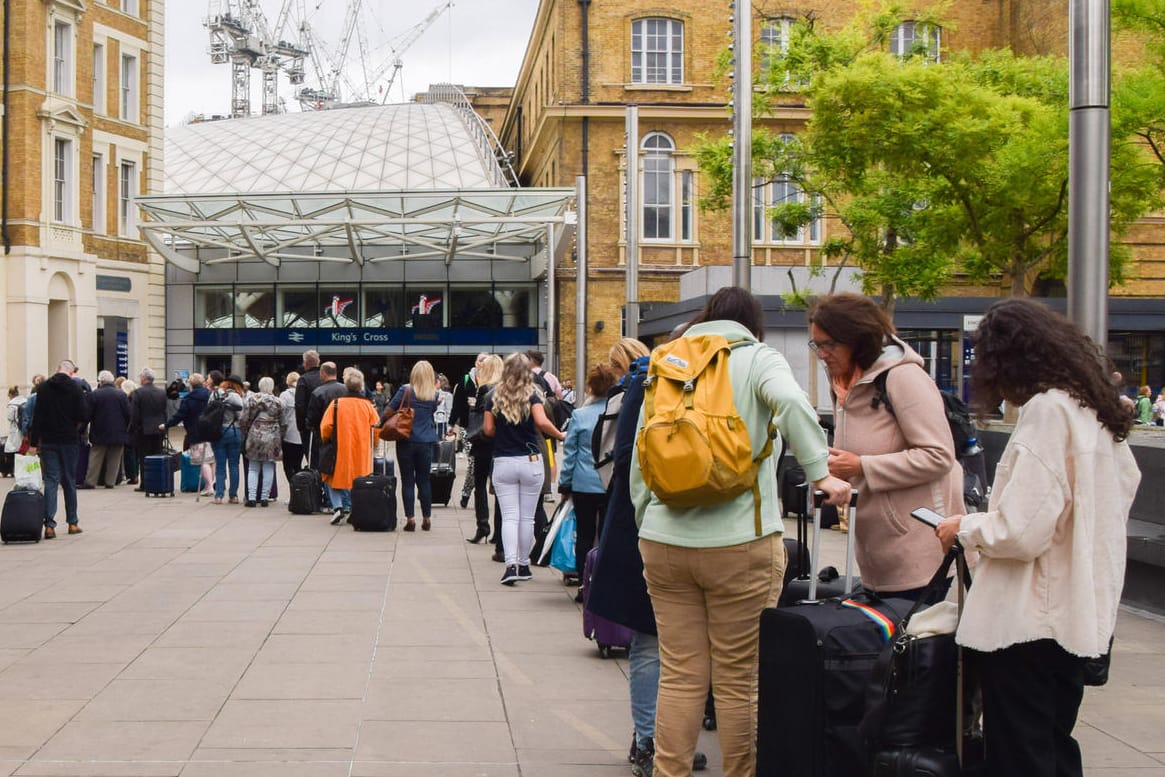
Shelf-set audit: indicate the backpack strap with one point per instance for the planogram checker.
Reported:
(881, 396)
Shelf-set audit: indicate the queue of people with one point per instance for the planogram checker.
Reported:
(690, 581)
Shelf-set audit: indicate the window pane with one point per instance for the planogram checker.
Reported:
(687, 206)
(60, 179)
(758, 209)
(426, 309)
(213, 308)
(99, 78)
(475, 308)
(255, 307)
(299, 308)
(338, 307)
(384, 307)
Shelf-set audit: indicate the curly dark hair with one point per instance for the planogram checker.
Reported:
(856, 321)
(1023, 348)
(733, 303)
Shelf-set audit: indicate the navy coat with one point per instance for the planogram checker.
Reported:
(108, 416)
(189, 409)
(618, 589)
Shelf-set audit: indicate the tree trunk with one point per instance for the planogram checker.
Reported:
(889, 299)
(1018, 279)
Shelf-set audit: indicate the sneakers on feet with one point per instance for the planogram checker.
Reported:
(524, 572)
(510, 576)
(337, 517)
(644, 763)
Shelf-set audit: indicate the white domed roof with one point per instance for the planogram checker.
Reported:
(410, 146)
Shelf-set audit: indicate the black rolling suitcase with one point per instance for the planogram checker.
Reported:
(23, 516)
(158, 475)
(816, 659)
(443, 472)
(373, 503)
(306, 489)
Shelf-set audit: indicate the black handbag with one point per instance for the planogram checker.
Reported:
(914, 697)
(475, 427)
(328, 447)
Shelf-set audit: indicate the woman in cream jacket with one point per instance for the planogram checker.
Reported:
(1052, 542)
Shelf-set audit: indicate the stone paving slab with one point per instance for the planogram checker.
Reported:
(177, 638)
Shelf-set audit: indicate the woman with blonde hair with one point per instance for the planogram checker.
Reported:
(624, 353)
(414, 456)
(516, 420)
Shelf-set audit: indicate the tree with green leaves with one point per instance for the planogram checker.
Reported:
(934, 168)
(1139, 103)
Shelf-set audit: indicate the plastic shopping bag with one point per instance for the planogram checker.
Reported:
(27, 471)
(562, 557)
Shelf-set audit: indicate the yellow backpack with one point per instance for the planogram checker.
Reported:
(694, 448)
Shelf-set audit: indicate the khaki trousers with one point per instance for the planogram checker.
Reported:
(707, 609)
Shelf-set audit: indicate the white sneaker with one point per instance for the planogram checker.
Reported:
(337, 516)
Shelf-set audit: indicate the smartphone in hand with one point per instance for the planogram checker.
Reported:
(927, 516)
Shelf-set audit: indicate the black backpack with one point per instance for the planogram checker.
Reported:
(211, 418)
(957, 412)
(557, 410)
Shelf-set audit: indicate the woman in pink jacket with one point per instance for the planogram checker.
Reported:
(898, 459)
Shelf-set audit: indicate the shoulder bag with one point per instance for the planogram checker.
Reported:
(328, 448)
(398, 424)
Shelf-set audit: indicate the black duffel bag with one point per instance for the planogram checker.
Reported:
(913, 698)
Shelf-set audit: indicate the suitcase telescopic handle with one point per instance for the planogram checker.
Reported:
(819, 499)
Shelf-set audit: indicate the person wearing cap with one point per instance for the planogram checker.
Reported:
(228, 447)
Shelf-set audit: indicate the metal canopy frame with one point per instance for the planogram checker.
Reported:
(373, 226)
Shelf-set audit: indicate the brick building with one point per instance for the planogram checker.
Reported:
(588, 59)
(82, 137)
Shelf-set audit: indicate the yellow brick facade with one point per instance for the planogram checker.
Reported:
(74, 271)
(566, 119)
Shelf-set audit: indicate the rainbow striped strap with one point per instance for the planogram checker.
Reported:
(884, 624)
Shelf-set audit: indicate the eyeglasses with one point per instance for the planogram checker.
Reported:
(824, 345)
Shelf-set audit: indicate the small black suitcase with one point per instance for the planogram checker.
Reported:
(158, 475)
(23, 516)
(373, 503)
(442, 486)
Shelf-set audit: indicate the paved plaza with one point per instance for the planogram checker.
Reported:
(184, 638)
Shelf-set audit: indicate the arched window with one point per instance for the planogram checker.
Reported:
(658, 187)
(657, 51)
(911, 39)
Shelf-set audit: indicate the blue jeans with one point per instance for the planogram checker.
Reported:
(58, 465)
(339, 498)
(256, 471)
(643, 678)
(227, 450)
(415, 461)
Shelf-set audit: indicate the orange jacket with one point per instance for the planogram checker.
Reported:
(354, 419)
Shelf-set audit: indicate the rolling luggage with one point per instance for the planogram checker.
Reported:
(191, 480)
(373, 503)
(158, 475)
(827, 583)
(606, 634)
(908, 762)
(23, 516)
(816, 658)
(443, 472)
(306, 489)
(384, 467)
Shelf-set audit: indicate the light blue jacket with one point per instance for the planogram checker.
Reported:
(763, 388)
(578, 465)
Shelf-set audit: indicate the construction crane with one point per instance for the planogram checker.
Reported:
(328, 95)
(240, 35)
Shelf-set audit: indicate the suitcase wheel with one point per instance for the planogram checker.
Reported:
(604, 651)
(710, 723)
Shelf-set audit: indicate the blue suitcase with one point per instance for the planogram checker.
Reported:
(191, 475)
(158, 476)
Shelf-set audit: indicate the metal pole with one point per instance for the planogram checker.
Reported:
(631, 326)
(551, 304)
(580, 299)
(742, 144)
(1089, 139)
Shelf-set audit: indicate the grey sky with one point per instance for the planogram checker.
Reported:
(477, 42)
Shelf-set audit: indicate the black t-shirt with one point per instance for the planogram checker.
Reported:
(522, 439)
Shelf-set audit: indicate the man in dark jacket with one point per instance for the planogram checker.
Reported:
(59, 414)
(309, 381)
(109, 417)
(147, 417)
(330, 388)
